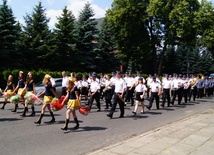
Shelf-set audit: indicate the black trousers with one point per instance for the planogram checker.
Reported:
(116, 100)
(193, 92)
(129, 95)
(200, 92)
(166, 95)
(175, 93)
(64, 89)
(96, 96)
(156, 97)
(185, 94)
(101, 92)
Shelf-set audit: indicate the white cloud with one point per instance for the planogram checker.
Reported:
(75, 6)
(53, 14)
(50, 2)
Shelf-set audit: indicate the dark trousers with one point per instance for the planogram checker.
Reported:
(166, 95)
(108, 98)
(96, 96)
(64, 89)
(200, 92)
(129, 95)
(175, 93)
(116, 100)
(185, 94)
(156, 97)
(101, 92)
(193, 92)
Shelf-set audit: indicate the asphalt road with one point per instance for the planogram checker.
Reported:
(20, 136)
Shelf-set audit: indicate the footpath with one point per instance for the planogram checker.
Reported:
(191, 136)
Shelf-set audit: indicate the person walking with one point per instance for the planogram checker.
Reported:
(10, 87)
(29, 88)
(64, 83)
(119, 90)
(155, 91)
(94, 91)
(73, 103)
(140, 91)
(166, 88)
(48, 93)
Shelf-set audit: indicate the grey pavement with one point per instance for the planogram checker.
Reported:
(190, 136)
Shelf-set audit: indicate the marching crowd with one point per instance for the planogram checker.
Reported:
(114, 89)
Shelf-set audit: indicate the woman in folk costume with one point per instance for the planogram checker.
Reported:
(72, 104)
(19, 89)
(8, 90)
(140, 91)
(29, 88)
(49, 94)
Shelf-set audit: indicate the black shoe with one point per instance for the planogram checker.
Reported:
(52, 120)
(2, 108)
(108, 115)
(98, 110)
(106, 108)
(148, 107)
(134, 112)
(32, 114)
(162, 105)
(64, 128)
(23, 115)
(38, 122)
(121, 116)
(14, 110)
(76, 127)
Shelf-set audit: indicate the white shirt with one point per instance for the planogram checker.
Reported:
(149, 80)
(78, 84)
(53, 82)
(136, 79)
(84, 84)
(113, 79)
(166, 84)
(176, 83)
(108, 84)
(94, 86)
(155, 87)
(65, 81)
(102, 82)
(129, 81)
(140, 88)
(120, 85)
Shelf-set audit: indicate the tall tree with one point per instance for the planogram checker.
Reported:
(172, 22)
(106, 61)
(36, 39)
(128, 18)
(64, 41)
(8, 38)
(87, 35)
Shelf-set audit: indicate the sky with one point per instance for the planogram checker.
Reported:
(54, 8)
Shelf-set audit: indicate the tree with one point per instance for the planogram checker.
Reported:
(8, 38)
(36, 37)
(87, 35)
(171, 23)
(106, 61)
(128, 18)
(64, 41)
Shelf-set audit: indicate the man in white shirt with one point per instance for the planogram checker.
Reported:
(120, 87)
(94, 91)
(64, 83)
(166, 87)
(155, 90)
(130, 88)
(177, 86)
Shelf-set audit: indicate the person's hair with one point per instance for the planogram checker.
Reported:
(8, 80)
(28, 78)
(70, 85)
(46, 81)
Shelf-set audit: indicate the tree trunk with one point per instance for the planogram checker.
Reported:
(161, 60)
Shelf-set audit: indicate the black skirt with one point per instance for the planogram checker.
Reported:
(138, 98)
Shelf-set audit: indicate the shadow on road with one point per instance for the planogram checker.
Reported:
(9, 119)
(85, 128)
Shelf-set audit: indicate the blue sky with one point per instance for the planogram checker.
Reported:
(54, 7)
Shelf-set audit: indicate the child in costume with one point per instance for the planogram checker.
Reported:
(73, 103)
(29, 88)
(49, 94)
(8, 91)
(19, 89)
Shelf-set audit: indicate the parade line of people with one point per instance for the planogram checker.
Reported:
(115, 89)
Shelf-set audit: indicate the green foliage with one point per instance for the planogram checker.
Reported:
(87, 35)
(8, 37)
